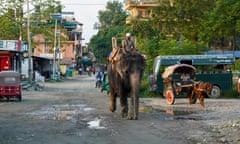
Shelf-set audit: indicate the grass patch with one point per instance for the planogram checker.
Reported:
(54, 80)
(231, 93)
(147, 109)
(144, 89)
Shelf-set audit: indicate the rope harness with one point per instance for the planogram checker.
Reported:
(202, 89)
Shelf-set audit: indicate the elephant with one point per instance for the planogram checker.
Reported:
(124, 76)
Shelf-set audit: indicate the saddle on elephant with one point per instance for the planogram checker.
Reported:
(115, 55)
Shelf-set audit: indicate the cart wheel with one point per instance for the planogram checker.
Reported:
(170, 97)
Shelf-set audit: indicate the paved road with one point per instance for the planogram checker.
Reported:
(75, 112)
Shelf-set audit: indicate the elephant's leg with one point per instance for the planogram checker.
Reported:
(112, 102)
(133, 110)
(124, 105)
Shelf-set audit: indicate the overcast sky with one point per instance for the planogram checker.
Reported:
(86, 12)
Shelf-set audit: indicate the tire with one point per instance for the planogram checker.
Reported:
(170, 97)
(216, 92)
(19, 98)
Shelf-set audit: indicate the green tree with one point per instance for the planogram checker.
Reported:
(111, 22)
(13, 19)
(42, 12)
(174, 27)
(223, 22)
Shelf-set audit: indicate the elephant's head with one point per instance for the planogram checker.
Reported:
(130, 64)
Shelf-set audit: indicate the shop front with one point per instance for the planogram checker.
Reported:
(10, 55)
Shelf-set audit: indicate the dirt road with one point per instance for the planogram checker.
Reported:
(75, 112)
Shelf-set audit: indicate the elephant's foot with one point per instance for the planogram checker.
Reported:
(124, 112)
(132, 116)
(123, 115)
(112, 105)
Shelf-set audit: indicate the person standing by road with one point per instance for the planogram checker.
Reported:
(94, 70)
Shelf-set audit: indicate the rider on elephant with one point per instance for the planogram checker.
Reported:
(128, 45)
(128, 48)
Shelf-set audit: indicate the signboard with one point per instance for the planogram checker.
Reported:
(13, 45)
(196, 59)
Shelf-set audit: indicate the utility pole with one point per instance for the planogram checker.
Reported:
(54, 49)
(55, 16)
(59, 46)
(30, 74)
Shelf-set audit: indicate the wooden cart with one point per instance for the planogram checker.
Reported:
(174, 85)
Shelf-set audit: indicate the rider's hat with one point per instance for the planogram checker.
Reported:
(128, 34)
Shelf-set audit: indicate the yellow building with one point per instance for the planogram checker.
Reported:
(141, 9)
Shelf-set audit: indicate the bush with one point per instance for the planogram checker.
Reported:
(231, 93)
(144, 89)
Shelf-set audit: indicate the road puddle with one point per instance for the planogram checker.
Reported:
(171, 114)
(80, 114)
(96, 124)
(59, 112)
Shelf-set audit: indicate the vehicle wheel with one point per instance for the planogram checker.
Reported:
(170, 97)
(216, 92)
(20, 98)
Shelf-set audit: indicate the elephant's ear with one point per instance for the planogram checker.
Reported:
(123, 64)
(117, 66)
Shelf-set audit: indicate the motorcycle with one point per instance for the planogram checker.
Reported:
(98, 83)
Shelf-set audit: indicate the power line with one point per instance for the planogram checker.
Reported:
(81, 4)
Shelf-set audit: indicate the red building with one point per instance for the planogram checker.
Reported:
(10, 55)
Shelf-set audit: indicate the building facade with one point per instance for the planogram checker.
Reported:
(65, 48)
(10, 55)
(140, 9)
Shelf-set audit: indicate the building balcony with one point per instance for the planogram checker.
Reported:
(130, 4)
(129, 19)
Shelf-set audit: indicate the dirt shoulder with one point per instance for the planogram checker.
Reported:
(220, 117)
